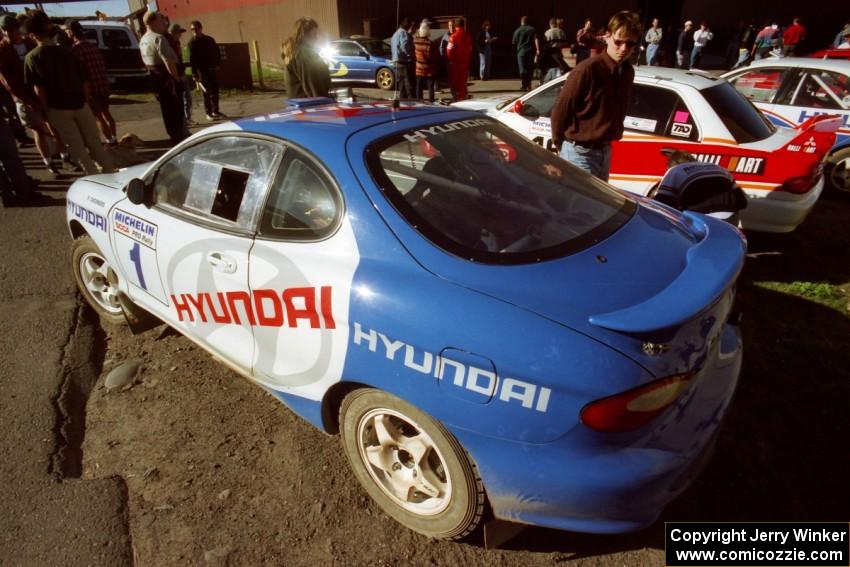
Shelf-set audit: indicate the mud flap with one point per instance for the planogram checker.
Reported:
(137, 318)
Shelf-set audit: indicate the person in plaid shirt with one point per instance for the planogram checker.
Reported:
(92, 59)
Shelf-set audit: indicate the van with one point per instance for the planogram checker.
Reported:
(120, 49)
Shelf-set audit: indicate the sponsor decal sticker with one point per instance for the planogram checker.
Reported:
(89, 217)
(135, 228)
(439, 129)
(541, 126)
(643, 124)
(735, 164)
(682, 116)
(680, 129)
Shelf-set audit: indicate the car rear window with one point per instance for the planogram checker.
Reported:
(741, 118)
(481, 191)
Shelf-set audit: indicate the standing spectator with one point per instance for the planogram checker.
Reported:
(28, 106)
(590, 110)
(585, 39)
(485, 50)
(764, 41)
(792, 37)
(701, 38)
(551, 58)
(459, 52)
(653, 38)
(684, 46)
(402, 53)
(527, 46)
(839, 39)
(845, 36)
(175, 35)
(205, 57)
(15, 184)
(59, 80)
(304, 72)
(445, 64)
(92, 60)
(746, 39)
(426, 61)
(161, 62)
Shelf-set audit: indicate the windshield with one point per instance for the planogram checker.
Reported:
(483, 192)
(741, 118)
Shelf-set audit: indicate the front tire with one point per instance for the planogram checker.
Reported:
(385, 79)
(838, 170)
(415, 470)
(96, 279)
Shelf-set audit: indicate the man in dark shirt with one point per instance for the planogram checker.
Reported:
(59, 80)
(590, 110)
(92, 59)
(527, 46)
(684, 46)
(204, 57)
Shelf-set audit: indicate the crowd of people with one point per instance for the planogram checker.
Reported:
(55, 86)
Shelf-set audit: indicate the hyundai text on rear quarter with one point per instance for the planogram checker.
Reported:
(465, 309)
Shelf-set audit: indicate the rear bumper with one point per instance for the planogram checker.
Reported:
(603, 483)
(778, 211)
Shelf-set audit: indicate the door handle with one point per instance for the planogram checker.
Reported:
(222, 262)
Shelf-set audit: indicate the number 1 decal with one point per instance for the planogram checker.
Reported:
(136, 258)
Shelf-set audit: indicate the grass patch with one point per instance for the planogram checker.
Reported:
(830, 295)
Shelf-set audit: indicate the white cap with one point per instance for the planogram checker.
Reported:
(689, 23)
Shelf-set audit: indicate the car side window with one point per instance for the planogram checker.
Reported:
(817, 89)
(540, 105)
(348, 49)
(116, 39)
(651, 109)
(760, 85)
(302, 204)
(222, 180)
(90, 35)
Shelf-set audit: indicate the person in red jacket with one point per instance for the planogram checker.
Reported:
(794, 34)
(459, 53)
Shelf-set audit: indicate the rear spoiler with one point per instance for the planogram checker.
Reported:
(712, 265)
(819, 130)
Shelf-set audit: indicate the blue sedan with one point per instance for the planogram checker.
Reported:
(478, 320)
(360, 59)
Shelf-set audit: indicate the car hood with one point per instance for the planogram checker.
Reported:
(119, 179)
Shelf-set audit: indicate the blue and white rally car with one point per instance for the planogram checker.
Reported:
(480, 321)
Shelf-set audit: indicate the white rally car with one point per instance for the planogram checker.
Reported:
(791, 90)
(780, 169)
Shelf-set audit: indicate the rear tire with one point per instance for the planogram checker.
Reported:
(414, 469)
(838, 170)
(97, 280)
(385, 79)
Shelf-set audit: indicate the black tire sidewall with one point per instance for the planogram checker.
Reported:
(463, 513)
(81, 246)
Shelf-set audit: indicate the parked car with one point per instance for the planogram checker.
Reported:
(360, 59)
(121, 54)
(479, 320)
(778, 168)
(791, 90)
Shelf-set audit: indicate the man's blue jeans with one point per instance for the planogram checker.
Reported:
(595, 161)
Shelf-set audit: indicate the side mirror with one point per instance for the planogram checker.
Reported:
(138, 193)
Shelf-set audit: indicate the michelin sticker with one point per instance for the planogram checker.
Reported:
(542, 126)
(133, 227)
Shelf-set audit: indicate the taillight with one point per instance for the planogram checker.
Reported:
(798, 184)
(635, 408)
